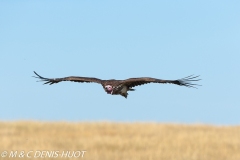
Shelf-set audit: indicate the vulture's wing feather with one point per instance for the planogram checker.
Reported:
(51, 81)
(187, 81)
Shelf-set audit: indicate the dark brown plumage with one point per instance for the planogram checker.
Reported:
(121, 87)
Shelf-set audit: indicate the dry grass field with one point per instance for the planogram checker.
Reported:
(119, 141)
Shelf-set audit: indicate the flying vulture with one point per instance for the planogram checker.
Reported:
(121, 87)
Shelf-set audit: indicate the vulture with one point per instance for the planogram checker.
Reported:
(121, 87)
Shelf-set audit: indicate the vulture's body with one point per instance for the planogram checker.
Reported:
(121, 87)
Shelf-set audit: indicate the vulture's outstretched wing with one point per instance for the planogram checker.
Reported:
(132, 82)
(51, 81)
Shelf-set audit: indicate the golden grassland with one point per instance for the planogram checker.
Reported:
(122, 141)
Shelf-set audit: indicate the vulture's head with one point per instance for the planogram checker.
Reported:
(109, 89)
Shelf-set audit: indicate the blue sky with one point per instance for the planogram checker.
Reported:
(120, 39)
